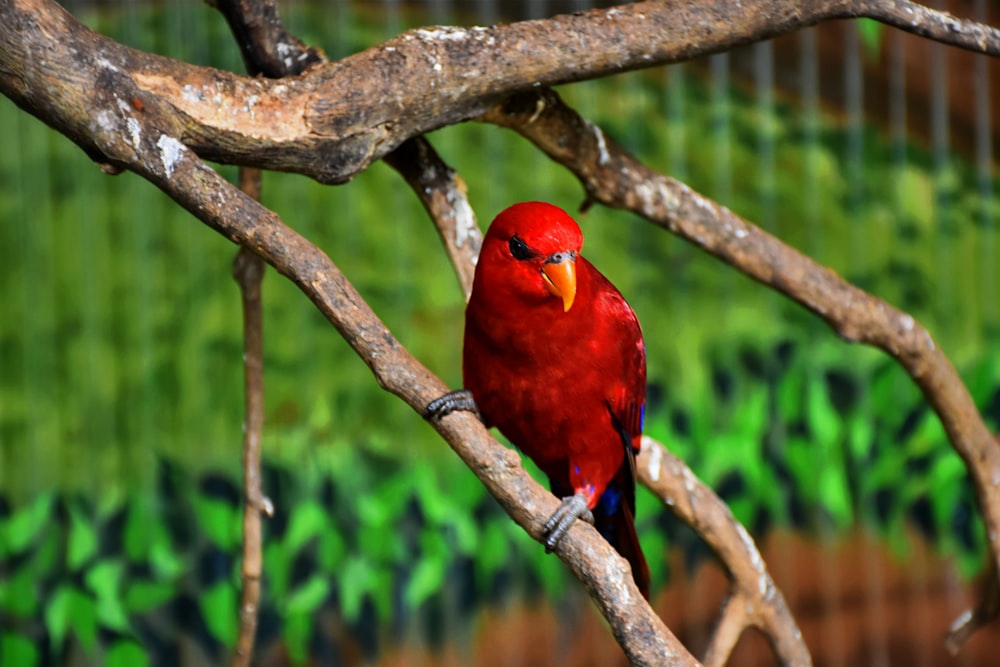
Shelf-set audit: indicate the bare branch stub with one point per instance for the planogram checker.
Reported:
(615, 178)
(268, 48)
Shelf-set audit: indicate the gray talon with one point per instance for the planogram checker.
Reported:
(451, 402)
(571, 509)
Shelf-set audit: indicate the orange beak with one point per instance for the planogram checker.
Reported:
(560, 277)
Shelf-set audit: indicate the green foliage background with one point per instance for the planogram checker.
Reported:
(120, 377)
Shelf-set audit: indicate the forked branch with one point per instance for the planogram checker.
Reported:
(611, 176)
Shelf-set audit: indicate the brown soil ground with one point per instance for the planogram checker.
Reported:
(856, 604)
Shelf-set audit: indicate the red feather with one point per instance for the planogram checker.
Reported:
(567, 386)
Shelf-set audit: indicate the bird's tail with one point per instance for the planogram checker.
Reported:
(618, 528)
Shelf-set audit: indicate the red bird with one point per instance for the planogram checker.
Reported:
(554, 358)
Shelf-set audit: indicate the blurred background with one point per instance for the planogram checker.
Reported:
(121, 380)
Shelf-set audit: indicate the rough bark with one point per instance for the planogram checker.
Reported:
(336, 119)
(161, 119)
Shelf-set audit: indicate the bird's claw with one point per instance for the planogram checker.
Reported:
(451, 402)
(571, 509)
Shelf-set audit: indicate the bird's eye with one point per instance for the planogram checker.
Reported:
(518, 248)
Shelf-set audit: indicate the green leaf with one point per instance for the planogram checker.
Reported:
(859, 437)
(466, 533)
(21, 529)
(654, 545)
(550, 571)
(915, 198)
(356, 580)
(802, 462)
(141, 596)
(162, 558)
(70, 608)
(296, 631)
(320, 416)
(17, 650)
(104, 579)
(82, 542)
(221, 521)
(126, 653)
(308, 520)
(790, 391)
(824, 421)
(277, 565)
(139, 531)
(834, 494)
(309, 596)
(19, 594)
(743, 509)
(871, 36)
(219, 607)
(494, 550)
(331, 549)
(426, 579)
(380, 544)
(436, 504)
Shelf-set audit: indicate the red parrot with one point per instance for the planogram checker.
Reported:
(554, 358)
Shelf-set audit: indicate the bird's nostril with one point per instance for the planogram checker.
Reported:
(560, 257)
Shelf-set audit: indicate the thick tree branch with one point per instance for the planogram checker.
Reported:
(336, 119)
(613, 177)
(268, 49)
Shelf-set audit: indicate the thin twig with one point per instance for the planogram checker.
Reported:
(933, 24)
(248, 270)
(269, 50)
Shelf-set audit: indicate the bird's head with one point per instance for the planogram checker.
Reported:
(533, 247)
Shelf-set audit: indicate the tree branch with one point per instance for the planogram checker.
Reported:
(268, 49)
(336, 119)
(613, 177)
(754, 598)
(248, 270)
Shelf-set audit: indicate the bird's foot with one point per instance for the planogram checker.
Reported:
(572, 508)
(451, 402)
